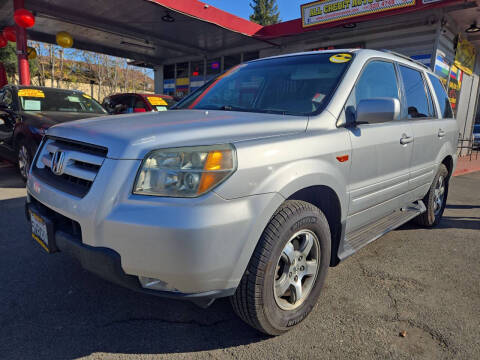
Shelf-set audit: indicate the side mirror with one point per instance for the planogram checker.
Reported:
(377, 110)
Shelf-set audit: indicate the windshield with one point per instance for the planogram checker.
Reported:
(58, 100)
(293, 85)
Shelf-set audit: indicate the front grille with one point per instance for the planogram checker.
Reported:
(69, 166)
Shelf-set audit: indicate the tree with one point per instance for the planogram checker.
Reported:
(40, 72)
(265, 12)
(8, 56)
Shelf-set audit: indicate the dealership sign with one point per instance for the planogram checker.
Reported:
(325, 11)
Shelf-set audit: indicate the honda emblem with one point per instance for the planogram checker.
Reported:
(58, 162)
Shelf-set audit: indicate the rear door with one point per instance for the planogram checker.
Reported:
(380, 162)
(422, 115)
(446, 128)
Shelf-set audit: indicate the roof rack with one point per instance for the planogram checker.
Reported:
(406, 58)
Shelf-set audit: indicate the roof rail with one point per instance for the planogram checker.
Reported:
(406, 58)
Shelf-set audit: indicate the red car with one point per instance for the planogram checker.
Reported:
(131, 102)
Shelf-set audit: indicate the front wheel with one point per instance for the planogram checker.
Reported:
(436, 199)
(24, 158)
(287, 270)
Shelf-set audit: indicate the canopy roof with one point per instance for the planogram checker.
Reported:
(137, 29)
(154, 31)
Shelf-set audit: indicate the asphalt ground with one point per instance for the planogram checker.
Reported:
(425, 282)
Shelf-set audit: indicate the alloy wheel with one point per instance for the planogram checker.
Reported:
(439, 195)
(296, 270)
(23, 161)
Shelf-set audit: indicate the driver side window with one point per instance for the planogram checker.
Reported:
(377, 80)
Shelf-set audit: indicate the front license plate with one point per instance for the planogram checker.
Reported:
(39, 230)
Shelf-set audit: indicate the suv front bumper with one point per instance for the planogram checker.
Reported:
(197, 247)
(106, 263)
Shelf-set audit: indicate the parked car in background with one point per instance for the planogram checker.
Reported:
(476, 136)
(26, 112)
(136, 103)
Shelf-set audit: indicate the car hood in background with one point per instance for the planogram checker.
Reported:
(132, 136)
(45, 119)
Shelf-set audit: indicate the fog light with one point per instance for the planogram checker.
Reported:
(155, 284)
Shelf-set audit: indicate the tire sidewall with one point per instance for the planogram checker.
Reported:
(310, 220)
(30, 153)
(434, 220)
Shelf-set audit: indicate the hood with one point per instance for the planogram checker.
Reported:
(46, 119)
(132, 136)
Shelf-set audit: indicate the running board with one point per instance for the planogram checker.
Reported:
(365, 235)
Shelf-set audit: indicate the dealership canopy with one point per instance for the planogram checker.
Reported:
(154, 32)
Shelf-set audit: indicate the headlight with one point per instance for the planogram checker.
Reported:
(186, 171)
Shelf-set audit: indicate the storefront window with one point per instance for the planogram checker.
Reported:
(169, 72)
(230, 61)
(252, 55)
(182, 70)
(196, 68)
(213, 66)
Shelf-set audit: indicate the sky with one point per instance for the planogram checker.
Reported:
(289, 9)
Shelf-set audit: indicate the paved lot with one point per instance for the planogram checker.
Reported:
(426, 282)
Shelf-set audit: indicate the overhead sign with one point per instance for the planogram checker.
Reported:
(325, 11)
(465, 55)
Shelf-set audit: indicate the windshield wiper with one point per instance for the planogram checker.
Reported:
(234, 108)
(279, 111)
(255, 110)
(224, 108)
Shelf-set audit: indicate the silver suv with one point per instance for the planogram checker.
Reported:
(254, 185)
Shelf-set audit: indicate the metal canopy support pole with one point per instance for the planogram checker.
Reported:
(158, 79)
(23, 68)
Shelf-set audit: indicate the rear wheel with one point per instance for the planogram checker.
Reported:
(436, 199)
(287, 269)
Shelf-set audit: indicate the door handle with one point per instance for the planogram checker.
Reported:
(441, 133)
(406, 139)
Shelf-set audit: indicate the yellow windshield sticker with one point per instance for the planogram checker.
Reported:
(86, 96)
(31, 93)
(154, 100)
(340, 58)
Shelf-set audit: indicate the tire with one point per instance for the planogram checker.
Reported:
(435, 205)
(25, 154)
(258, 299)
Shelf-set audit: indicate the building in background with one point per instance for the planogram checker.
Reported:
(439, 34)
(188, 42)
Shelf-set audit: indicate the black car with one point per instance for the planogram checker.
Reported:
(27, 111)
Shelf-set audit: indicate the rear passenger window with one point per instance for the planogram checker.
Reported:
(418, 102)
(442, 97)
